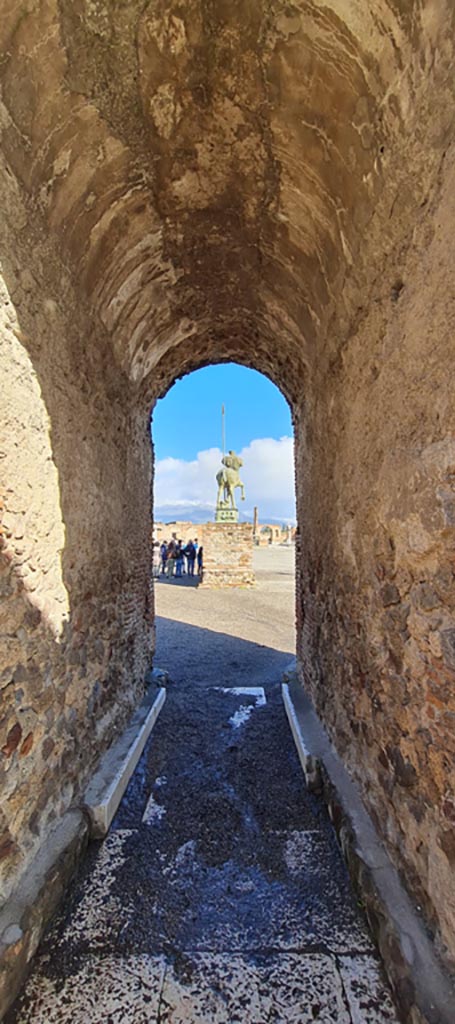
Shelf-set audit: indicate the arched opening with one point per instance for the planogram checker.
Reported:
(274, 452)
(236, 407)
(226, 406)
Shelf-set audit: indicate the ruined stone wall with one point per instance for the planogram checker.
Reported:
(228, 555)
(75, 478)
(184, 529)
(377, 532)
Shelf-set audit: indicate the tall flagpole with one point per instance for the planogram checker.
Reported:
(223, 431)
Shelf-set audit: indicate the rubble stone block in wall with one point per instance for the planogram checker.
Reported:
(228, 555)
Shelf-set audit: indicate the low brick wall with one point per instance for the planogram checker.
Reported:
(228, 555)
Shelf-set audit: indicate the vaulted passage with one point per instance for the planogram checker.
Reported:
(267, 183)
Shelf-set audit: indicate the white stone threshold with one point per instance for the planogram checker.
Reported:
(106, 788)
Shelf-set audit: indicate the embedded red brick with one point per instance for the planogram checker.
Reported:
(27, 745)
(12, 740)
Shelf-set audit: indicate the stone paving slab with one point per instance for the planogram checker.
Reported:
(368, 997)
(205, 988)
(101, 907)
(103, 990)
(230, 989)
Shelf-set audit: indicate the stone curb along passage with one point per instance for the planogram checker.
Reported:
(103, 795)
(422, 989)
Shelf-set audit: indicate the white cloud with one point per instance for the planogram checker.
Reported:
(267, 472)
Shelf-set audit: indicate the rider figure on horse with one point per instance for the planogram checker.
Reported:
(228, 479)
(231, 460)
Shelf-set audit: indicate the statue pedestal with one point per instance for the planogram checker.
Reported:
(226, 515)
(228, 555)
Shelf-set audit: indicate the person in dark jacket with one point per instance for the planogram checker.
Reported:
(171, 556)
(163, 555)
(190, 554)
(179, 559)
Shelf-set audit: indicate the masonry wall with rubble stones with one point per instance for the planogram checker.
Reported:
(258, 182)
(377, 601)
(74, 613)
(228, 555)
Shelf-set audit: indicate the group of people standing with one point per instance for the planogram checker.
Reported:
(174, 559)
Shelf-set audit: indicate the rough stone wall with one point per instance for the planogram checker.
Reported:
(377, 528)
(228, 555)
(75, 467)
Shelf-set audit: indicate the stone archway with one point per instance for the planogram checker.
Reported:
(189, 440)
(256, 182)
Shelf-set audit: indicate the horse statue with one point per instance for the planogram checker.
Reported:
(228, 479)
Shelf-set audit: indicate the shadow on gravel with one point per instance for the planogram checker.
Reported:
(204, 657)
(177, 581)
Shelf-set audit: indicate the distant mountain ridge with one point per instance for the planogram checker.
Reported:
(205, 514)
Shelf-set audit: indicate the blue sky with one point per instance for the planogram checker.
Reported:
(188, 418)
(187, 438)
